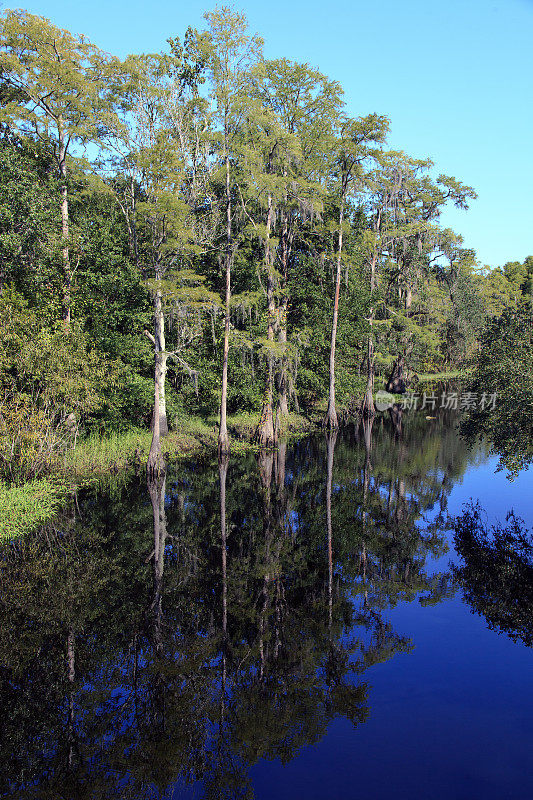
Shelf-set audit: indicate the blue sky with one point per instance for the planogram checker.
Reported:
(455, 77)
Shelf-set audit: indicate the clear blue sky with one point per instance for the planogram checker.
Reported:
(454, 76)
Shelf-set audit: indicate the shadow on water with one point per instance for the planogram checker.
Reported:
(175, 637)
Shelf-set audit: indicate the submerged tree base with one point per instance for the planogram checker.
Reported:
(266, 434)
(224, 444)
(331, 420)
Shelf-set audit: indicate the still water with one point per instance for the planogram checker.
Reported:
(284, 625)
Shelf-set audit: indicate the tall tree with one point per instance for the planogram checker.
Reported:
(229, 54)
(155, 156)
(307, 105)
(352, 150)
(268, 150)
(58, 83)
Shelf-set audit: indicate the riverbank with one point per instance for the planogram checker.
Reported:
(101, 459)
(97, 456)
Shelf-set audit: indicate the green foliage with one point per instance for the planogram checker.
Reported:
(23, 508)
(148, 243)
(29, 246)
(56, 78)
(505, 367)
(50, 381)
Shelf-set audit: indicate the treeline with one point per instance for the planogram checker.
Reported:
(220, 215)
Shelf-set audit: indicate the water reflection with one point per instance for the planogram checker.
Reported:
(496, 573)
(177, 641)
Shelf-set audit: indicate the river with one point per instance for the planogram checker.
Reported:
(297, 624)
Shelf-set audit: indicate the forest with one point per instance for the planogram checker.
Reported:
(266, 419)
(204, 240)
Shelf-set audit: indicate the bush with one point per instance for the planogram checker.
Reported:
(29, 441)
(50, 381)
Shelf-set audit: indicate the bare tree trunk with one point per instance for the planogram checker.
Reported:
(283, 404)
(160, 364)
(155, 465)
(266, 434)
(133, 225)
(223, 438)
(330, 420)
(67, 273)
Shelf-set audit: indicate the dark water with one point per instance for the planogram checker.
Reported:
(316, 645)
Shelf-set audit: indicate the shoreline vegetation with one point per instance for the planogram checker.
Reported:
(98, 455)
(98, 459)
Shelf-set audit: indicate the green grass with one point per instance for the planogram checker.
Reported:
(425, 377)
(243, 425)
(97, 455)
(22, 508)
(100, 453)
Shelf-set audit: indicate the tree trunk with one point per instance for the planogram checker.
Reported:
(367, 408)
(67, 274)
(133, 226)
(266, 433)
(330, 420)
(396, 382)
(160, 364)
(155, 465)
(283, 403)
(223, 438)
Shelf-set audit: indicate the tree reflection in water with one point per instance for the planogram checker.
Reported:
(240, 634)
(496, 575)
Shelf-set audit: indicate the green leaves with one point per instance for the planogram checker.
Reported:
(505, 368)
(58, 78)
